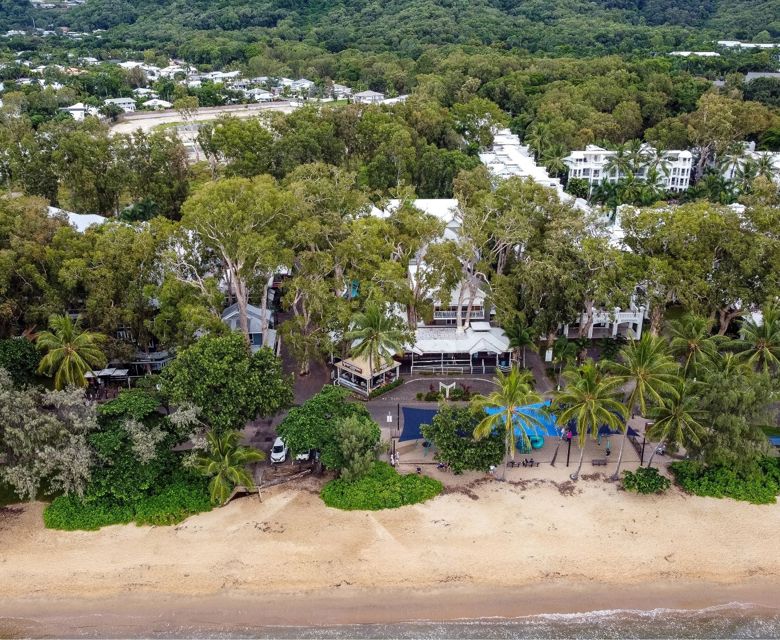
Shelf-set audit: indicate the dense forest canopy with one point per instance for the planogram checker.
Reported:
(406, 27)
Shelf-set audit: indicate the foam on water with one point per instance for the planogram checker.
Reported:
(733, 620)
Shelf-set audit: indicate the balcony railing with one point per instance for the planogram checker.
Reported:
(449, 314)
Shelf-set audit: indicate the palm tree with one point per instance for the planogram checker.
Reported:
(765, 166)
(376, 336)
(520, 336)
(676, 420)
(621, 163)
(759, 342)
(553, 160)
(745, 174)
(224, 461)
(70, 352)
(538, 138)
(590, 401)
(651, 372)
(564, 353)
(691, 339)
(731, 159)
(608, 194)
(510, 405)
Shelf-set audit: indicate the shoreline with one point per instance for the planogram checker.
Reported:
(136, 615)
(482, 550)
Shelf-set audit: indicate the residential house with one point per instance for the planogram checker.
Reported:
(79, 111)
(341, 92)
(255, 315)
(125, 104)
(368, 97)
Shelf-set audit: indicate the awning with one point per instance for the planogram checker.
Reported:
(413, 419)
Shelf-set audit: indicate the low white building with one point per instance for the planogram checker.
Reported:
(593, 165)
(695, 54)
(508, 158)
(156, 103)
(81, 221)
(125, 104)
(732, 170)
(368, 97)
(79, 111)
(736, 44)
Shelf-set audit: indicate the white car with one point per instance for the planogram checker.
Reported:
(279, 451)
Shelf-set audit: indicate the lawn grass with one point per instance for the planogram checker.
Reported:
(770, 430)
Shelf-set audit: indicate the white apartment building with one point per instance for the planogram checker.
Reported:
(592, 164)
(731, 170)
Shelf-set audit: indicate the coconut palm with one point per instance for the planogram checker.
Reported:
(520, 336)
(553, 160)
(745, 174)
(765, 166)
(651, 373)
(731, 159)
(759, 342)
(564, 353)
(376, 336)
(676, 421)
(224, 461)
(621, 163)
(70, 352)
(509, 403)
(538, 138)
(691, 339)
(590, 401)
(608, 194)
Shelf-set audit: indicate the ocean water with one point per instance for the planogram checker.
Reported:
(734, 620)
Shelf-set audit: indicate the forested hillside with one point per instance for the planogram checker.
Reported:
(407, 27)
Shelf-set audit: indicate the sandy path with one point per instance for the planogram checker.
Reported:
(488, 534)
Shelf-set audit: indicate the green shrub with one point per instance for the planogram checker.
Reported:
(381, 488)
(645, 480)
(70, 513)
(388, 387)
(186, 495)
(759, 486)
(174, 503)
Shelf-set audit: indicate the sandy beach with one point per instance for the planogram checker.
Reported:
(483, 548)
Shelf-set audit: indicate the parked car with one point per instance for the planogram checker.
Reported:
(311, 454)
(279, 451)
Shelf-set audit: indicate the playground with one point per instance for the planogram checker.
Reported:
(545, 443)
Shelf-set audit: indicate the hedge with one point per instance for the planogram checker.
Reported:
(381, 488)
(388, 387)
(645, 480)
(172, 504)
(760, 487)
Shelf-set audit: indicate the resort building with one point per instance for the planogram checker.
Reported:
(733, 168)
(508, 158)
(596, 164)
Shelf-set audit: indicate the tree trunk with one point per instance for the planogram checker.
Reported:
(656, 320)
(264, 313)
(724, 320)
(242, 300)
(555, 454)
(616, 475)
(576, 475)
(584, 329)
(650, 461)
(523, 356)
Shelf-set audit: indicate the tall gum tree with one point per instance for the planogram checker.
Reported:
(242, 220)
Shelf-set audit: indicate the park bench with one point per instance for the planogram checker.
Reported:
(599, 462)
